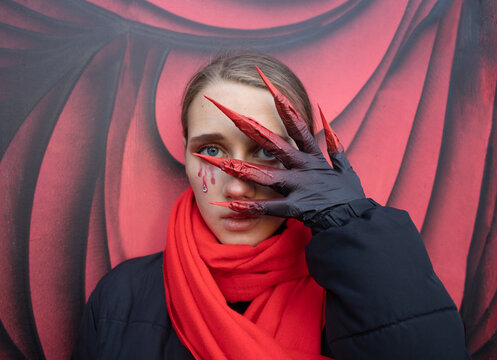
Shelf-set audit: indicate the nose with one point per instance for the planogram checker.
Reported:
(237, 189)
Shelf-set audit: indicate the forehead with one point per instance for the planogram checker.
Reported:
(257, 103)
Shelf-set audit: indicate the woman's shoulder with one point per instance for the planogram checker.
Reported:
(132, 290)
(127, 314)
(133, 271)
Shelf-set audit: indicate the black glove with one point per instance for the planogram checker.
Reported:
(312, 188)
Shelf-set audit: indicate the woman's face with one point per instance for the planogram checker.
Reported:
(210, 132)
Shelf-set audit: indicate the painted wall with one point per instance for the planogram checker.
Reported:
(91, 147)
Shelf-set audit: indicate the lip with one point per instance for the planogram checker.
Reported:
(239, 222)
(236, 215)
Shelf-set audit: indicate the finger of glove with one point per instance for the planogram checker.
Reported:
(340, 161)
(288, 155)
(295, 125)
(264, 175)
(332, 143)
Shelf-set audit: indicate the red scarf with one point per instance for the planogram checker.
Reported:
(285, 317)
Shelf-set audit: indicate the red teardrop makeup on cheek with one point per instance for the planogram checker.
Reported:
(213, 179)
(203, 173)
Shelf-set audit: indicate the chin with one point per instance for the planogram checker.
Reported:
(250, 231)
(240, 239)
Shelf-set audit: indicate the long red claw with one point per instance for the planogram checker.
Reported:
(332, 141)
(253, 129)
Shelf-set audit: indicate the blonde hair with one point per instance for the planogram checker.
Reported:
(240, 67)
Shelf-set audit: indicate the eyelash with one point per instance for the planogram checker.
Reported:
(203, 147)
(272, 158)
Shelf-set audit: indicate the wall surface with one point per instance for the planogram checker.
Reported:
(91, 146)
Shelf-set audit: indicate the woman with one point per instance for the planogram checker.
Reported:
(237, 279)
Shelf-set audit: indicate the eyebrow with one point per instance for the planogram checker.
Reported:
(207, 137)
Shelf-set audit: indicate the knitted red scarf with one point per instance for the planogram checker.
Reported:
(285, 317)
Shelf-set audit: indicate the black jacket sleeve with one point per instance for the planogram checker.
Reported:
(86, 347)
(383, 299)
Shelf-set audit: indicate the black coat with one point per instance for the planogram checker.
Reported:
(383, 299)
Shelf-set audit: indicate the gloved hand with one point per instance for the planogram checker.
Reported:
(310, 185)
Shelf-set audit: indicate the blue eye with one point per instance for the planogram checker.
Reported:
(265, 155)
(210, 150)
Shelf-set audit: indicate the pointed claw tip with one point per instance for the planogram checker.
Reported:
(204, 157)
(272, 89)
(233, 115)
(332, 141)
(220, 203)
(214, 102)
(326, 126)
(210, 159)
(320, 110)
(323, 118)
